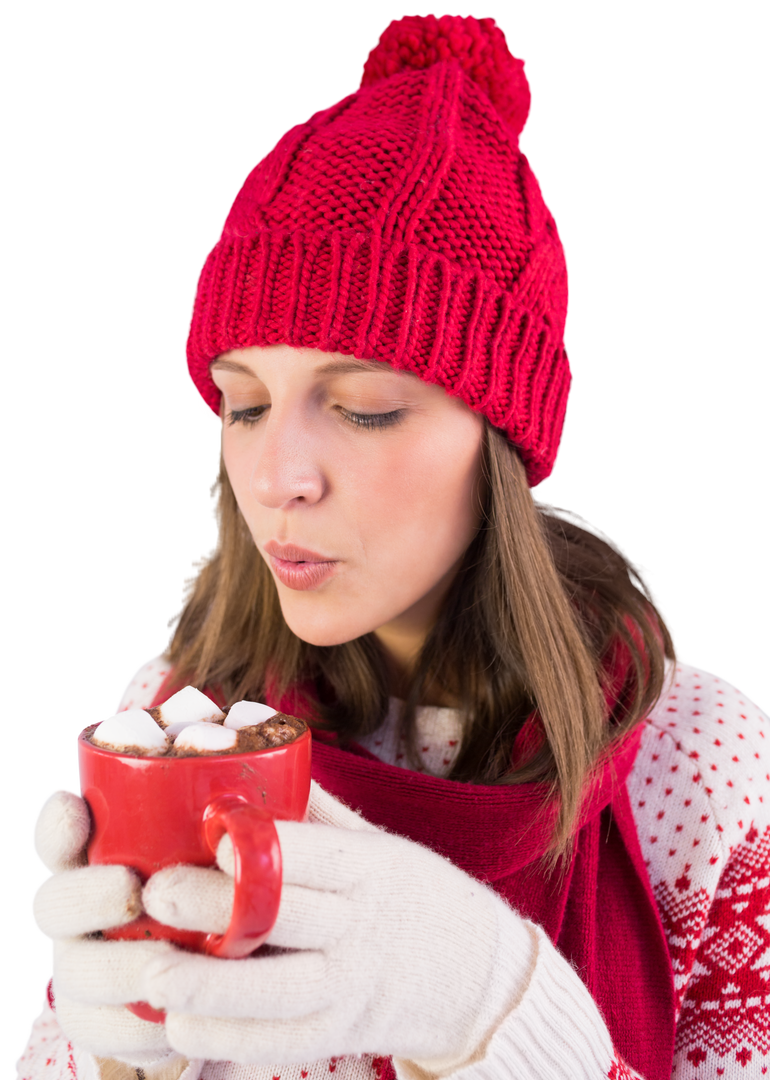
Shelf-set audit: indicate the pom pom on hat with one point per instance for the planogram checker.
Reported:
(478, 45)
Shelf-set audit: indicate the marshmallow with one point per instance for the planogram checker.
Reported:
(172, 730)
(205, 738)
(133, 730)
(247, 713)
(188, 706)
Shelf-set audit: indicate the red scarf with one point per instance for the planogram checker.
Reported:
(598, 910)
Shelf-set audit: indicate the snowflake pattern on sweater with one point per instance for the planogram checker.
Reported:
(700, 792)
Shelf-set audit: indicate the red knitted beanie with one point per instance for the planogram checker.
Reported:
(404, 224)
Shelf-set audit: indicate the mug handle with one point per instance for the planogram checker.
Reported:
(258, 873)
(258, 876)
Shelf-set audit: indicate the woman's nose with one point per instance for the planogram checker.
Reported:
(285, 467)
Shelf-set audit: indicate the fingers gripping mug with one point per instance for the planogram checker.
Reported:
(153, 812)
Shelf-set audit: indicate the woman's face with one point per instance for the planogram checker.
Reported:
(360, 485)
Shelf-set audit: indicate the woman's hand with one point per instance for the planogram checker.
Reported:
(394, 951)
(79, 901)
(83, 900)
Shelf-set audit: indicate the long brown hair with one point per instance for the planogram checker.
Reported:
(536, 611)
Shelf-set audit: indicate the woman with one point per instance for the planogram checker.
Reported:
(560, 867)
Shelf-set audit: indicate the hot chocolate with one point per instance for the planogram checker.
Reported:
(190, 724)
(277, 731)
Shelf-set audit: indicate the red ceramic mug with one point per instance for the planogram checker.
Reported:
(152, 812)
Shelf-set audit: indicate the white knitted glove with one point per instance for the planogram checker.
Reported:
(75, 900)
(399, 954)
(81, 899)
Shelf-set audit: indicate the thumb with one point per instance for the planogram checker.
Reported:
(61, 832)
(325, 809)
(190, 898)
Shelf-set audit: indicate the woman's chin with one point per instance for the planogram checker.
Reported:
(323, 633)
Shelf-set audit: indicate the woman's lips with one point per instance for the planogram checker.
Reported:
(294, 553)
(302, 575)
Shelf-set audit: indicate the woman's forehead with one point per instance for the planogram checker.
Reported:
(248, 362)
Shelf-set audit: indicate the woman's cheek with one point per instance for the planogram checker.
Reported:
(238, 463)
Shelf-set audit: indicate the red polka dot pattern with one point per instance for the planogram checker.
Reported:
(700, 791)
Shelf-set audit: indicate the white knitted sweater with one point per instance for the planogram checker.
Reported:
(700, 792)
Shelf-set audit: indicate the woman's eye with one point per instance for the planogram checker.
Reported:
(246, 416)
(252, 416)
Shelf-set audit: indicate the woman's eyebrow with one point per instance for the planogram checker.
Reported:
(335, 367)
